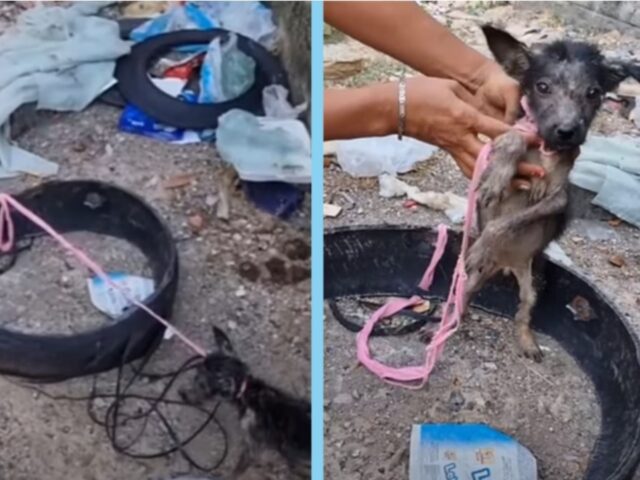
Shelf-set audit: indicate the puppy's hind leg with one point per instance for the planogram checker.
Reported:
(524, 335)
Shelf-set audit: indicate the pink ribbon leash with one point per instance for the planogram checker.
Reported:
(415, 377)
(7, 241)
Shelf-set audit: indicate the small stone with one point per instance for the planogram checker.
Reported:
(297, 249)
(65, 281)
(617, 261)
(456, 401)
(232, 324)
(196, 223)
(277, 269)
(211, 200)
(78, 147)
(241, 292)
(343, 399)
(249, 270)
(490, 366)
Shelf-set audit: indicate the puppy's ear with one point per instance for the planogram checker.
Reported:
(222, 342)
(512, 55)
(615, 71)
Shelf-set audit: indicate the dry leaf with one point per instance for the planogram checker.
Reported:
(341, 69)
(179, 181)
(617, 261)
(581, 309)
(423, 307)
(616, 222)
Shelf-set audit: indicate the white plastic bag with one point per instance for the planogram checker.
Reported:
(276, 105)
(371, 157)
(264, 149)
(226, 72)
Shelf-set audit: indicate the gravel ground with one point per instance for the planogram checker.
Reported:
(248, 275)
(367, 424)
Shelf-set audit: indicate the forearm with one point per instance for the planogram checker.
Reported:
(360, 112)
(407, 33)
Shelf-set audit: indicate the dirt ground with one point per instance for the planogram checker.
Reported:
(267, 318)
(367, 423)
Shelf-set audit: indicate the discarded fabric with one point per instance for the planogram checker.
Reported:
(448, 202)
(610, 168)
(60, 58)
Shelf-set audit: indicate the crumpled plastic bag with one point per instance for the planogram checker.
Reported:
(276, 105)
(371, 157)
(250, 18)
(183, 17)
(264, 149)
(226, 72)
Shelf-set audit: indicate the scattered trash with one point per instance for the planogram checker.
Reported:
(616, 222)
(111, 301)
(277, 198)
(581, 309)
(250, 19)
(555, 252)
(135, 121)
(592, 230)
(179, 181)
(617, 261)
(342, 69)
(143, 9)
(609, 167)
(330, 210)
(183, 17)
(226, 72)
(448, 452)
(452, 205)
(623, 106)
(59, 58)
(263, 149)
(371, 157)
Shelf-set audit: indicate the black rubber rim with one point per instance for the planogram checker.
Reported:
(391, 260)
(71, 206)
(137, 88)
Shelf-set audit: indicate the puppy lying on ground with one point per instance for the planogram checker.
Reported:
(564, 84)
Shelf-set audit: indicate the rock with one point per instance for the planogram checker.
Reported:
(343, 399)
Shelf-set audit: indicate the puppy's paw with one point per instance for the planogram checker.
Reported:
(528, 345)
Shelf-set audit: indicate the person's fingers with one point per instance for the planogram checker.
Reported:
(487, 125)
(465, 161)
(512, 105)
(530, 170)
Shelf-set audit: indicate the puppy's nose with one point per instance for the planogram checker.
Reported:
(566, 133)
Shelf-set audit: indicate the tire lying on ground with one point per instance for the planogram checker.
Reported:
(138, 89)
(106, 210)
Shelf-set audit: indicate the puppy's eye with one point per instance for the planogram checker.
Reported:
(593, 93)
(543, 87)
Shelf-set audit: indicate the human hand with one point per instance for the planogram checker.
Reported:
(497, 94)
(445, 114)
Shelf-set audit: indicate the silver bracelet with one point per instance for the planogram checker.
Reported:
(402, 105)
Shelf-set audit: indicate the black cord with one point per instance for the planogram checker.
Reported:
(114, 418)
(420, 320)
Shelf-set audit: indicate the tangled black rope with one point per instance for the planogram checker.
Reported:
(114, 418)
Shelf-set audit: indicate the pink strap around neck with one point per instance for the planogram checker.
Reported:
(415, 377)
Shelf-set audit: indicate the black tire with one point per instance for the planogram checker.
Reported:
(107, 210)
(136, 87)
